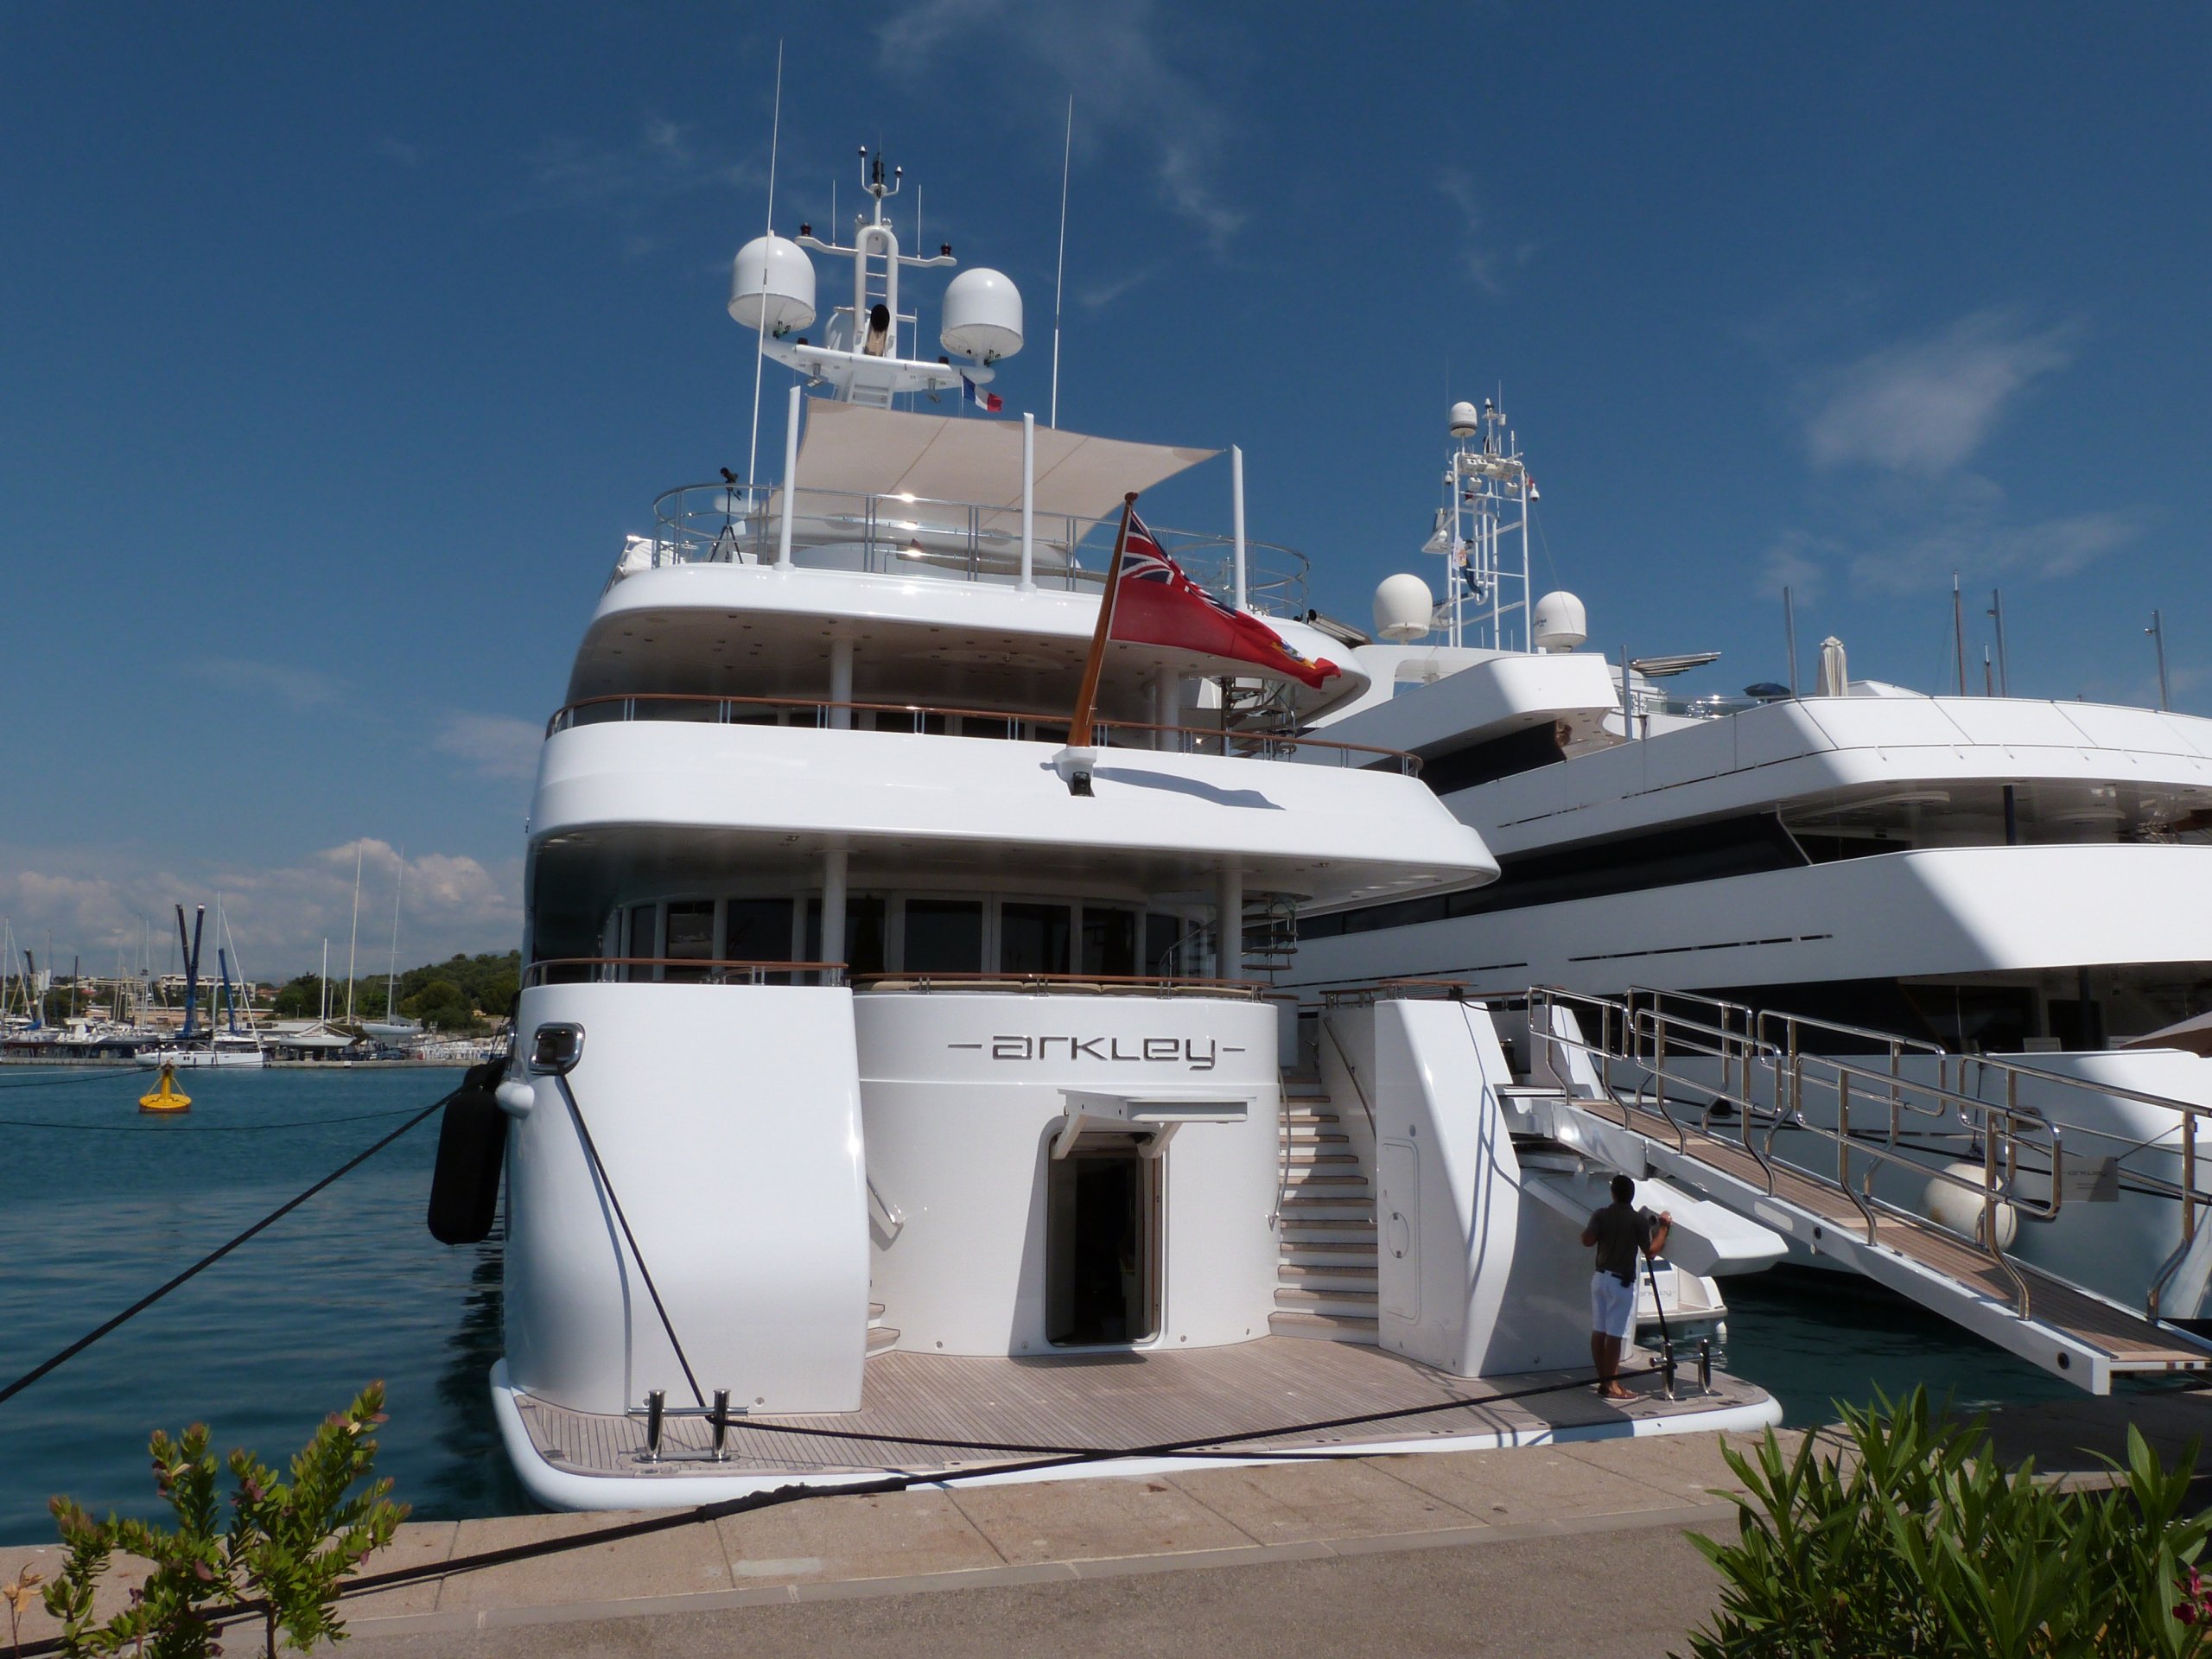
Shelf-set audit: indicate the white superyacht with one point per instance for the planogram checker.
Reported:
(894, 1085)
(2002, 898)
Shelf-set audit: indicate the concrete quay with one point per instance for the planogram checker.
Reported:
(1562, 1549)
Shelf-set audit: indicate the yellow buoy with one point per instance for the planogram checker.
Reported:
(166, 1098)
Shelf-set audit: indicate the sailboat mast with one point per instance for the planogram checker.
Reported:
(353, 938)
(391, 975)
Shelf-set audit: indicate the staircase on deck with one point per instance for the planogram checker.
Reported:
(1325, 1230)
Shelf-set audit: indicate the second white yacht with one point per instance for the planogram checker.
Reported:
(2007, 899)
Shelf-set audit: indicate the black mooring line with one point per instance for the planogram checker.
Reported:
(591, 1151)
(213, 1256)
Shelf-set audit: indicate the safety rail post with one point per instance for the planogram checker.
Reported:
(2188, 1213)
(1843, 1137)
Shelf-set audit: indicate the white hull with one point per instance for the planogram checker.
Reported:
(185, 1059)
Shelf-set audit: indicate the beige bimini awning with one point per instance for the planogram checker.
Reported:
(977, 462)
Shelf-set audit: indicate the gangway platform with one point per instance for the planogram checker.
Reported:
(2078, 1334)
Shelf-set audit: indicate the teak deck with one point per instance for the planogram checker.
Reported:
(1123, 1401)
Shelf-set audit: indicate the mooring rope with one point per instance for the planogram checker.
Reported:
(216, 1254)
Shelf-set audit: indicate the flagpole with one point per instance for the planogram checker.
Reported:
(1078, 756)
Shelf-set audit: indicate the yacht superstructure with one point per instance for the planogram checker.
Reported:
(887, 1066)
(1925, 875)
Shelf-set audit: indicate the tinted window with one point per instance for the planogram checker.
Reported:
(1034, 938)
(690, 936)
(1109, 942)
(944, 935)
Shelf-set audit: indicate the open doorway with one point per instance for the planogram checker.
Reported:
(1101, 1248)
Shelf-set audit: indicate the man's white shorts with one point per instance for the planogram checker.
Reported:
(1612, 1307)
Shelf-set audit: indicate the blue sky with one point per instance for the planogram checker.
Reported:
(342, 344)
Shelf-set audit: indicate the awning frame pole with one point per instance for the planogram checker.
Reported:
(790, 482)
(1029, 583)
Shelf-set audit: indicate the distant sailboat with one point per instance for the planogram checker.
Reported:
(394, 1028)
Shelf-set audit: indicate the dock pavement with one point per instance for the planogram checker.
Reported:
(1566, 1549)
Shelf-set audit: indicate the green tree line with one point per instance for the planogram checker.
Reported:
(447, 995)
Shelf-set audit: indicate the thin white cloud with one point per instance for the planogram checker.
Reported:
(665, 160)
(1096, 296)
(97, 903)
(1477, 252)
(497, 745)
(1112, 54)
(302, 687)
(1790, 562)
(1924, 406)
(1980, 544)
(399, 150)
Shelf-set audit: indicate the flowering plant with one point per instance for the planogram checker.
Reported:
(285, 1549)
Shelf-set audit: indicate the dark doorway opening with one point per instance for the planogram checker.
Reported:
(1100, 1248)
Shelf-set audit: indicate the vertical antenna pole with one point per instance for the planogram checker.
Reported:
(1959, 633)
(1029, 583)
(1789, 629)
(2158, 633)
(790, 482)
(1067, 154)
(1996, 613)
(1236, 521)
(761, 340)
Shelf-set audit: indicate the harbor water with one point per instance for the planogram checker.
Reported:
(99, 1204)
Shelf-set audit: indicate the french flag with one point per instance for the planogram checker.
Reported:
(988, 402)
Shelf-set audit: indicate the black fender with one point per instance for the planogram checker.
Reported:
(472, 1154)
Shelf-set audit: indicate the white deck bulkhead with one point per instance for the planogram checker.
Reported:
(729, 1122)
(965, 1095)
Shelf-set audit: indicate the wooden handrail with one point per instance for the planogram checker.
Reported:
(986, 980)
(535, 974)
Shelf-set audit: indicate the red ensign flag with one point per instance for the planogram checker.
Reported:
(1157, 605)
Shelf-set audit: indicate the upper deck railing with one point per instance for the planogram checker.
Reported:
(908, 534)
(926, 719)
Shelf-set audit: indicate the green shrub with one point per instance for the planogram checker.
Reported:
(1919, 1541)
(287, 1547)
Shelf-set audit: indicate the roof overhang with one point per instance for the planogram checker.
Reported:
(945, 458)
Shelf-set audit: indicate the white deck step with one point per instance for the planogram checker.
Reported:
(1328, 1257)
(1325, 1328)
(1355, 1208)
(1349, 1304)
(1329, 1278)
(881, 1340)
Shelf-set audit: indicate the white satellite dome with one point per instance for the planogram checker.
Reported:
(771, 286)
(1403, 608)
(1559, 622)
(1464, 420)
(982, 316)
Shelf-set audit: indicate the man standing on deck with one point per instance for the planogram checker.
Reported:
(1618, 1231)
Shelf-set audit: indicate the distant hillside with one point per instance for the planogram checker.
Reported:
(448, 994)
